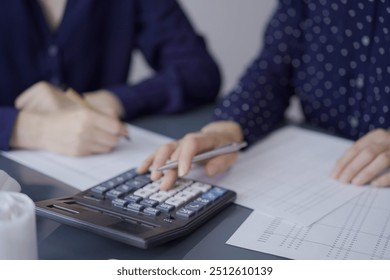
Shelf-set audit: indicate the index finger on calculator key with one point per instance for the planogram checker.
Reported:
(169, 179)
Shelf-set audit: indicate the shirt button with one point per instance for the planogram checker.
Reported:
(365, 41)
(360, 82)
(354, 122)
(52, 50)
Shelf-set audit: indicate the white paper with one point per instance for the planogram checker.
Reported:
(288, 175)
(359, 229)
(85, 172)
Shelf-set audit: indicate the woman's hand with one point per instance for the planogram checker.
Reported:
(214, 135)
(366, 161)
(77, 131)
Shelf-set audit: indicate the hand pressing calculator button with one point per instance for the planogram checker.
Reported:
(132, 209)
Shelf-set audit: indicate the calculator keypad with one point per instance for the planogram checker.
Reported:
(138, 194)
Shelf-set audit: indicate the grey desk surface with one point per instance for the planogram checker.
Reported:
(56, 241)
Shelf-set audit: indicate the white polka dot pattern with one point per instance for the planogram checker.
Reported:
(334, 55)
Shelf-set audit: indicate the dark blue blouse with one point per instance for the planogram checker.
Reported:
(333, 55)
(92, 50)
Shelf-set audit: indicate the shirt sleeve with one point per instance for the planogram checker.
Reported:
(262, 95)
(7, 120)
(186, 75)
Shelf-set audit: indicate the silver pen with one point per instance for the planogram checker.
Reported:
(230, 148)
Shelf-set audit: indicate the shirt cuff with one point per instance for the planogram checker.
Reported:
(7, 121)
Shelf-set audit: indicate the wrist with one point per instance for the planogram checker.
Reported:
(230, 131)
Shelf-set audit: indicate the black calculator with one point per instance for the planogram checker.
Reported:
(132, 209)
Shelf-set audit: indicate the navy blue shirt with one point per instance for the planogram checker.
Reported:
(92, 49)
(333, 55)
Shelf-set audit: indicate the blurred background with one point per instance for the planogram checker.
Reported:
(234, 31)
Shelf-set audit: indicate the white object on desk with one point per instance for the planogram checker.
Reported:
(18, 239)
(8, 183)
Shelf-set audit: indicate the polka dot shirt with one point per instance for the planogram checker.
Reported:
(333, 55)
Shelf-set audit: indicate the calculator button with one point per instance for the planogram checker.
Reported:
(110, 184)
(118, 202)
(203, 201)
(210, 196)
(119, 179)
(113, 194)
(194, 206)
(193, 191)
(99, 190)
(160, 197)
(149, 202)
(175, 201)
(143, 193)
(152, 187)
(164, 207)
(185, 213)
(201, 186)
(169, 193)
(135, 184)
(218, 191)
(135, 207)
(184, 196)
(179, 188)
(125, 188)
(152, 211)
(132, 198)
(145, 178)
(130, 174)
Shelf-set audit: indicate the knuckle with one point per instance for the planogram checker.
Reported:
(192, 140)
(370, 152)
(190, 137)
(353, 149)
(380, 132)
(166, 148)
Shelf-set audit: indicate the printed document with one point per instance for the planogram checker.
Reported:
(288, 175)
(359, 229)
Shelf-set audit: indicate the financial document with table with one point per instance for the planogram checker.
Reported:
(286, 180)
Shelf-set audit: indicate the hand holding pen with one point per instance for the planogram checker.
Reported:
(74, 97)
(49, 120)
(217, 145)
